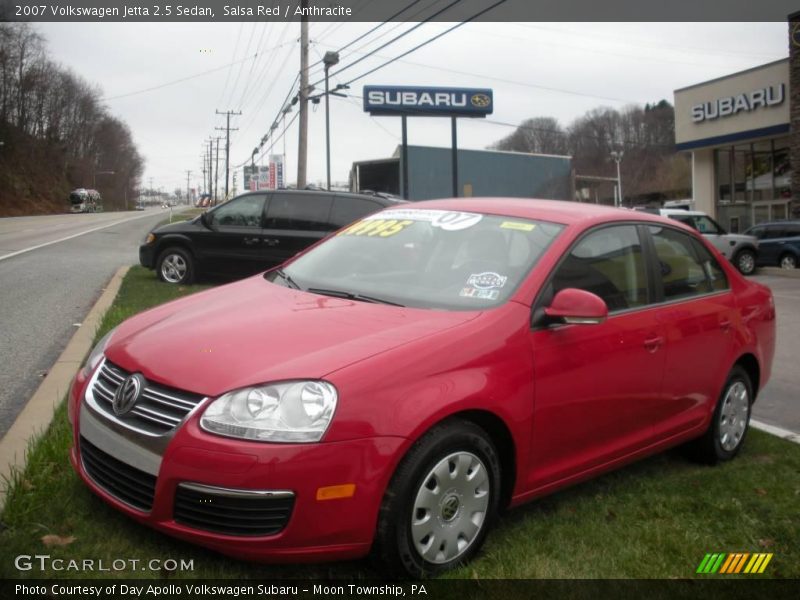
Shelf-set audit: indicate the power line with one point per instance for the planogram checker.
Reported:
(418, 46)
(235, 50)
(405, 33)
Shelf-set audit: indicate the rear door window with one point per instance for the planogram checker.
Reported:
(685, 267)
(347, 210)
(306, 212)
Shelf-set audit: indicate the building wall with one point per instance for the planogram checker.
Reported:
(487, 173)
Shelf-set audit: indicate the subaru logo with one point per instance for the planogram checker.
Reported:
(128, 394)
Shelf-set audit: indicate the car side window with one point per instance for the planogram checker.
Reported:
(609, 263)
(346, 210)
(705, 225)
(685, 219)
(757, 232)
(244, 211)
(774, 233)
(714, 272)
(792, 230)
(307, 212)
(683, 272)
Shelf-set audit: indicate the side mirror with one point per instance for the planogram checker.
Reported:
(577, 307)
(205, 219)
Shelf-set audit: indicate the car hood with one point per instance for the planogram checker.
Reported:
(254, 331)
(179, 227)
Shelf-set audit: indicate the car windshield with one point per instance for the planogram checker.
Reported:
(424, 258)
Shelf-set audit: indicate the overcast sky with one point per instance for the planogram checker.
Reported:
(560, 70)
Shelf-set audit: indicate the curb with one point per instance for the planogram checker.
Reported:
(780, 432)
(37, 415)
(778, 272)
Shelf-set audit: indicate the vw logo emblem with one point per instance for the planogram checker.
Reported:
(128, 394)
(450, 508)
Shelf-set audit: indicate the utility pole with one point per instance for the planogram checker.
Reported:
(216, 171)
(302, 145)
(188, 177)
(150, 191)
(210, 167)
(227, 130)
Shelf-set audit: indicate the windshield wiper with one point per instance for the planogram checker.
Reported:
(287, 278)
(352, 296)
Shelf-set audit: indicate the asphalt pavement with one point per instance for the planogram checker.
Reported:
(779, 402)
(46, 292)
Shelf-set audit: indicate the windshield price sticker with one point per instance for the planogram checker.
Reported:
(448, 220)
(487, 281)
(471, 292)
(517, 226)
(377, 227)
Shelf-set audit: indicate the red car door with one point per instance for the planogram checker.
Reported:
(596, 385)
(697, 313)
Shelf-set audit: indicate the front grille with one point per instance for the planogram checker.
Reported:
(127, 483)
(159, 409)
(232, 512)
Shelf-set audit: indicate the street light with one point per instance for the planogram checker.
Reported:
(330, 59)
(617, 157)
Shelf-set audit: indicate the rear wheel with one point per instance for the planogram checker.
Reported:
(730, 422)
(441, 501)
(788, 261)
(175, 265)
(746, 262)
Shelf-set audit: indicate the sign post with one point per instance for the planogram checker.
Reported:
(450, 102)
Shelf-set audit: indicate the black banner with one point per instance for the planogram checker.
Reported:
(394, 10)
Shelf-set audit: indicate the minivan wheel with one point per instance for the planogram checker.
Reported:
(441, 502)
(788, 261)
(746, 262)
(730, 422)
(175, 265)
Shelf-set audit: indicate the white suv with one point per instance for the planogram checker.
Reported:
(741, 250)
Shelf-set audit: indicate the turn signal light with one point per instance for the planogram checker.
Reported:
(333, 492)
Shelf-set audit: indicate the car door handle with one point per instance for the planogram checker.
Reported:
(652, 344)
(271, 241)
(251, 241)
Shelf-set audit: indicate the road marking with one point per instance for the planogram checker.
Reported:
(778, 431)
(70, 237)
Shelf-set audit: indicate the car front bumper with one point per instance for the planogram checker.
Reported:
(316, 529)
(147, 256)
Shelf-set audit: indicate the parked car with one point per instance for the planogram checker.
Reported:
(778, 244)
(251, 232)
(740, 249)
(392, 388)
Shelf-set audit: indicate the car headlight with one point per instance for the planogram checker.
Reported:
(294, 411)
(150, 238)
(96, 355)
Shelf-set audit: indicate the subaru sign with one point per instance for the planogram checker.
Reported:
(424, 101)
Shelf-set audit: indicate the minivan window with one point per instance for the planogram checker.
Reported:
(609, 263)
(244, 211)
(346, 210)
(308, 212)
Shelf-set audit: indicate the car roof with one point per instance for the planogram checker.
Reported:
(681, 211)
(379, 199)
(556, 211)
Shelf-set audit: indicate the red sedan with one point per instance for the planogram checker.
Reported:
(392, 388)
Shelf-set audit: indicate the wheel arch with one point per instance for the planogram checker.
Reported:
(750, 364)
(174, 241)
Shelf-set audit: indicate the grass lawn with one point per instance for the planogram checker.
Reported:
(655, 519)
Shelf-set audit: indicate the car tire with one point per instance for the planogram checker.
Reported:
(745, 261)
(788, 261)
(440, 503)
(175, 265)
(728, 428)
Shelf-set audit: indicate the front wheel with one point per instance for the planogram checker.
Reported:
(175, 265)
(730, 422)
(441, 502)
(746, 262)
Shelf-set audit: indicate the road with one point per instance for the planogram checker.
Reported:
(46, 292)
(779, 403)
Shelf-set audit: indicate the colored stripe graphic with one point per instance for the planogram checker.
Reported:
(733, 563)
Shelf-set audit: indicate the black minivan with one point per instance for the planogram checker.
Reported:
(252, 232)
